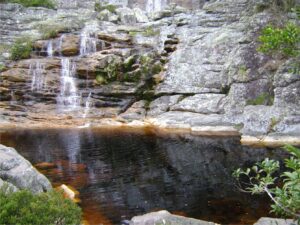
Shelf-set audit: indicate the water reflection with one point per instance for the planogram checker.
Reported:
(122, 174)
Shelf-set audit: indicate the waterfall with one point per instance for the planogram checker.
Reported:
(60, 43)
(37, 72)
(88, 42)
(88, 105)
(68, 98)
(50, 48)
(13, 99)
(155, 5)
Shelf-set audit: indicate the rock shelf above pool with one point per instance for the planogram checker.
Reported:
(159, 65)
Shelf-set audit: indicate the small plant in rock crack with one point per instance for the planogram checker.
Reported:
(262, 178)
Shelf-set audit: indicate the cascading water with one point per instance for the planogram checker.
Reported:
(37, 72)
(88, 42)
(88, 105)
(68, 99)
(155, 5)
(50, 48)
(61, 39)
(13, 99)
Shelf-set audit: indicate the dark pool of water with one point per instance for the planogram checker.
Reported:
(122, 174)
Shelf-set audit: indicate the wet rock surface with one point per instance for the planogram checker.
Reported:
(18, 173)
(189, 68)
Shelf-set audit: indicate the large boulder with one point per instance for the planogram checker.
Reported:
(164, 217)
(19, 173)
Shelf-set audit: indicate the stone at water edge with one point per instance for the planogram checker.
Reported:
(275, 221)
(17, 171)
(164, 217)
(69, 192)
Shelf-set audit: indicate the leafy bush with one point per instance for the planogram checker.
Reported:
(23, 207)
(283, 41)
(99, 7)
(275, 5)
(34, 3)
(50, 31)
(2, 67)
(21, 49)
(262, 179)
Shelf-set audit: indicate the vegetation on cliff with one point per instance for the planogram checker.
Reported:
(284, 41)
(32, 3)
(21, 49)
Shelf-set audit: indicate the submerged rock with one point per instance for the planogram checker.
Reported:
(19, 173)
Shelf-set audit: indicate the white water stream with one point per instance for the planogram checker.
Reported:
(50, 48)
(37, 72)
(68, 99)
(155, 5)
(88, 42)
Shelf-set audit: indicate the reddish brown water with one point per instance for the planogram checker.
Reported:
(123, 174)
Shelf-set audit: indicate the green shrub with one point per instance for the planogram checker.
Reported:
(50, 31)
(34, 3)
(284, 41)
(2, 67)
(23, 207)
(21, 49)
(261, 178)
(99, 7)
(275, 5)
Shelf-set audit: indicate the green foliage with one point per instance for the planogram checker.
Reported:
(262, 178)
(50, 34)
(262, 99)
(99, 7)
(21, 49)
(23, 207)
(284, 41)
(113, 70)
(34, 3)
(148, 32)
(2, 67)
(296, 10)
(100, 79)
(275, 5)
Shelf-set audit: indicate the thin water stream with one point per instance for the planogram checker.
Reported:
(120, 174)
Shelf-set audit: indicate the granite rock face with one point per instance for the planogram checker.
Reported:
(205, 68)
(18, 173)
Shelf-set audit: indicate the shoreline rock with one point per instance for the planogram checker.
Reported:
(18, 173)
(164, 217)
(138, 125)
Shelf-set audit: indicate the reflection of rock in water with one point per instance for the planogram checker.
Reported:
(127, 174)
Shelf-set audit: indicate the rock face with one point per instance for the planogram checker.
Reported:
(18, 173)
(189, 69)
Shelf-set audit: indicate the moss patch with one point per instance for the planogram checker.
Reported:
(33, 3)
(99, 7)
(262, 99)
